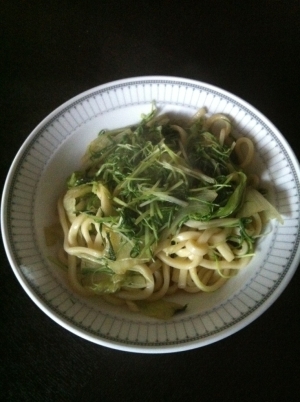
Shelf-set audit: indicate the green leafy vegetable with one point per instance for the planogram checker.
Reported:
(162, 309)
(151, 185)
(255, 202)
(104, 280)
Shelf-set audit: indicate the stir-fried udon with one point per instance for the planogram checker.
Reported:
(161, 207)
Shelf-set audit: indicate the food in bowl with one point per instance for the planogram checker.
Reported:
(165, 206)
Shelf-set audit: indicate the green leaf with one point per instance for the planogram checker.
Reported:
(255, 202)
(161, 309)
(235, 199)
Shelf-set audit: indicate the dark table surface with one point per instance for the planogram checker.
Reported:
(52, 51)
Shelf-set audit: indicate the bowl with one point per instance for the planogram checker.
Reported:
(53, 150)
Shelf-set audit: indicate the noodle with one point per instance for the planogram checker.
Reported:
(192, 239)
(248, 154)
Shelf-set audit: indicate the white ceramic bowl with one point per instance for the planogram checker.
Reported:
(53, 150)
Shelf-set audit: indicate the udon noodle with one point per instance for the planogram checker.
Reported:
(206, 236)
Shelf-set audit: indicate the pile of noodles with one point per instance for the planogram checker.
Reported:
(199, 257)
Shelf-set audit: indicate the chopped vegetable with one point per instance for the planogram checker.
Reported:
(151, 186)
(162, 309)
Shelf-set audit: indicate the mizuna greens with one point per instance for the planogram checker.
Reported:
(160, 206)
